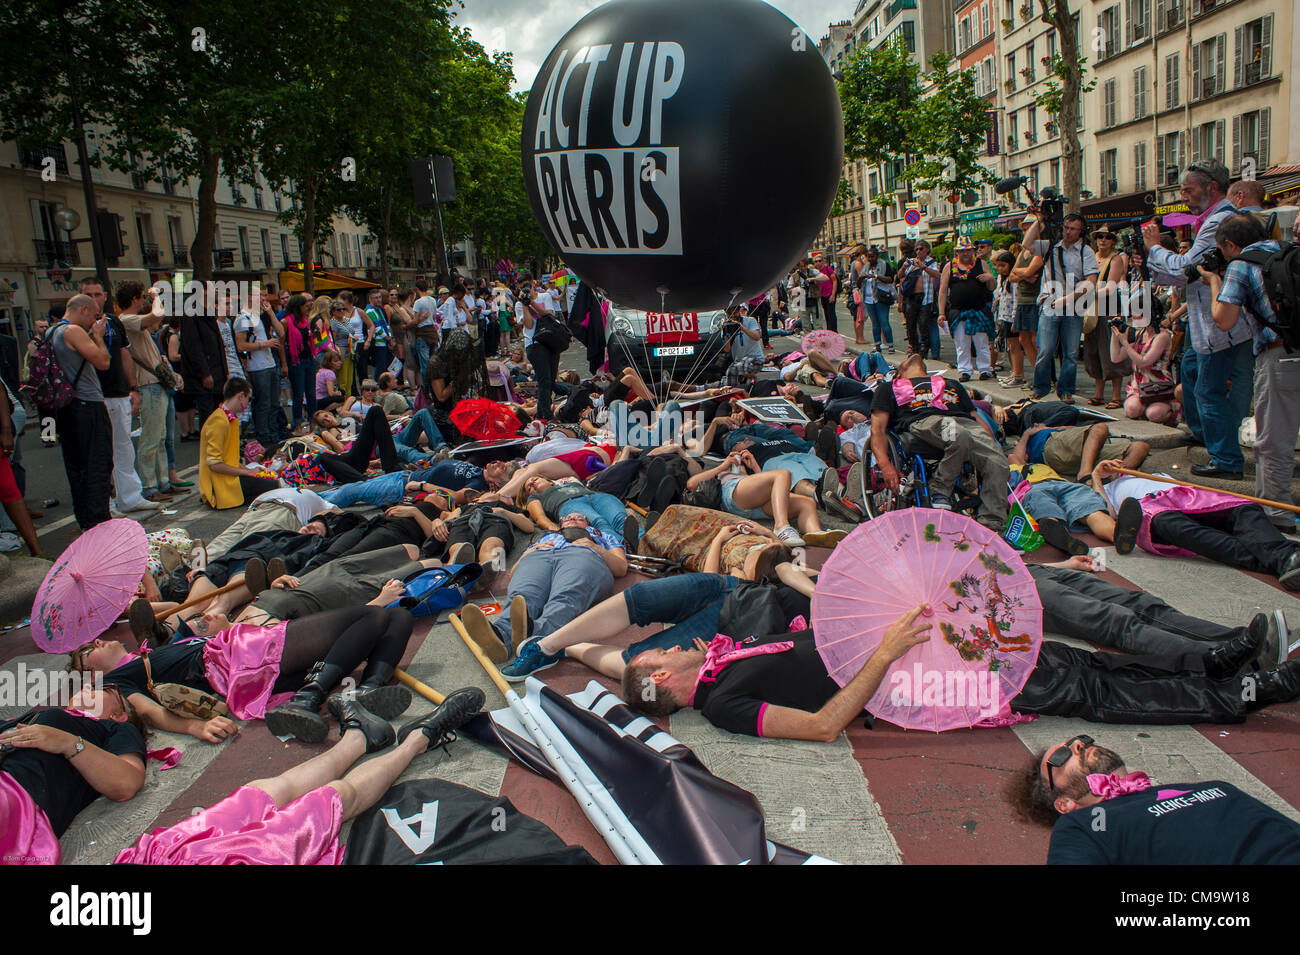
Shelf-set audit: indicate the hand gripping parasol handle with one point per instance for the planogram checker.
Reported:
(1201, 487)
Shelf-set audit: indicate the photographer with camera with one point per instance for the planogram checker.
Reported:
(1216, 357)
(1239, 295)
(1070, 275)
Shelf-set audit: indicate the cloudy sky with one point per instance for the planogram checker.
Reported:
(530, 28)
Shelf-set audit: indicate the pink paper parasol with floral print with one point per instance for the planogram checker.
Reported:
(829, 343)
(89, 585)
(988, 621)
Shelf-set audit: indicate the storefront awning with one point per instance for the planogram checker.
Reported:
(323, 280)
(1122, 210)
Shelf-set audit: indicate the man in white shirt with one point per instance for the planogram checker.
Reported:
(426, 324)
(455, 311)
(263, 372)
(1069, 277)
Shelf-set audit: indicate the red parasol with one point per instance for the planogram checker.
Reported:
(89, 586)
(485, 420)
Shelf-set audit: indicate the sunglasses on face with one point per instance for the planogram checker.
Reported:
(1063, 754)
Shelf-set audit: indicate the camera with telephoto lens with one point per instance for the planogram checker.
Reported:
(1211, 261)
(1117, 323)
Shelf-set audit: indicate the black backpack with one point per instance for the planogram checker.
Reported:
(1282, 286)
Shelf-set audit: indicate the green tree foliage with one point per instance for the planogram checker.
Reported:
(955, 122)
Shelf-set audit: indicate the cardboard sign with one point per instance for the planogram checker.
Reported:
(774, 410)
(665, 328)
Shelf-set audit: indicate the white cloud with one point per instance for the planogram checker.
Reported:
(530, 28)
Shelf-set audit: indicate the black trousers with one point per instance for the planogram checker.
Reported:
(376, 533)
(1239, 537)
(350, 466)
(343, 637)
(205, 402)
(1078, 604)
(546, 365)
(1117, 688)
(828, 309)
(762, 312)
(86, 439)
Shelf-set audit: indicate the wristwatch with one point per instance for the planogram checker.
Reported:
(81, 745)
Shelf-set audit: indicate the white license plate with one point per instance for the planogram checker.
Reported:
(674, 351)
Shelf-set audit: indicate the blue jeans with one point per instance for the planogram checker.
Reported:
(557, 585)
(302, 379)
(1067, 330)
(1188, 372)
(266, 389)
(604, 512)
(868, 363)
(1220, 408)
(170, 440)
(691, 601)
(380, 491)
(407, 442)
(422, 350)
(879, 313)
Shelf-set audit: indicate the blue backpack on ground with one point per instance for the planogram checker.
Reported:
(431, 591)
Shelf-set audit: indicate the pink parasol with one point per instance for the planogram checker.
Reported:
(829, 343)
(89, 585)
(983, 602)
(1177, 218)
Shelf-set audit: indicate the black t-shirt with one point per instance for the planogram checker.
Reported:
(796, 679)
(177, 662)
(52, 780)
(768, 448)
(1204, 823)
(112, 380)
(954, 402)
(970, 292)
(764, 388)
(1024, 414)
(453, 475)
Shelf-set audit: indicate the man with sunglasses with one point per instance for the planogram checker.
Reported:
(1103, 814)
(1215, 358)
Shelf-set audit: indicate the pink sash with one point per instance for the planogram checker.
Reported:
(905, 392)
(26, 837)
(242, 664)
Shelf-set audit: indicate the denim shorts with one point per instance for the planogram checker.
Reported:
(691, 601)
(1026, 319)
(1064, 500)
(731, 507)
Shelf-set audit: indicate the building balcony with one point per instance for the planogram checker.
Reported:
(180, 255)
(897, 7)
(35, 158)
(149, 254)
(49, 251)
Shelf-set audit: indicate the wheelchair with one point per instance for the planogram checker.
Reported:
(915, 461)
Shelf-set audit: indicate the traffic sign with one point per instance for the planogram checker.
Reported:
(912, 217)
(913, 232)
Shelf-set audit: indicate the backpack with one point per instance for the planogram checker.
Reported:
(431, 591)
(1282, 286)
(47, 385)
(909, 286)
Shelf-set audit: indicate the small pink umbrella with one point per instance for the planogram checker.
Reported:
(988, 621)
(1177, 218)
(829, 343)
(89, 585)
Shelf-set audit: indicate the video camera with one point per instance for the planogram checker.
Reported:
(1211, 261)
(1048, 202)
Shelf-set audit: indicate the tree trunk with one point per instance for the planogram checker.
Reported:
(1068, 119)
(206, 229)
(308, 233)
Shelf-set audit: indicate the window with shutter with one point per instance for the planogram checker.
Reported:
(984, 21)
(1160, 160)
(1220, 51)
(1128, 22)
(1261, 155)
(1173, 77)
(1108, 103)
(1219, 126)
(1266, 46)
(1197, 55)
(1236, 141)
(1239, 73)
(1139, 167)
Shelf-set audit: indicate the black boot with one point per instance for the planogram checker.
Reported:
(1231, 657)
(145, 626)
(301, 717)
(377, 696)
(1281, 685)
(353, 716)
(452, 713)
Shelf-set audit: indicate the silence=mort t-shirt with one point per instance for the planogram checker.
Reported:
(956, 402)
(454, 475)
(1202, 823)
(177, 662)
(52, 780)
(744, 689)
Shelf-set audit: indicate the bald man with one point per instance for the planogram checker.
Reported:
(1247, 195)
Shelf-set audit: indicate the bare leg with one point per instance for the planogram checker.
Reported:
(607, 619)
(604, 659)
(1102, 524)
(804, 511)
(317, 771)
(1136, 454)
(821, 363)
(364, 786)
(551, 468)
(769, 491)
(1029, 342)
(805, 488)
(230, 601)
(1017, 353)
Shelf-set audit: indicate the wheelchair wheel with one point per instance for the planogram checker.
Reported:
(877, 498)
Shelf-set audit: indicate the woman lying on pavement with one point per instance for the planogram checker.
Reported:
(548, 502)
(753, 493)
(295, 818)
(56, 762)
(482, 531)
(785, 692)
(246, 664)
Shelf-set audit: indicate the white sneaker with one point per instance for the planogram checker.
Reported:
(115, 514)
(144, 506)
(9, 541)
(788, 535)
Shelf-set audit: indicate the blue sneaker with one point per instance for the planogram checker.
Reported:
(530, 660)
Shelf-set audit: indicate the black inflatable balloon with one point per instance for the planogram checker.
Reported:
(682, 154)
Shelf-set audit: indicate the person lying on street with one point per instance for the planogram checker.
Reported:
(1062, 508)
(1077, 450)
(1070, 785)
(245, 665)
(755, 493)
(296, 818)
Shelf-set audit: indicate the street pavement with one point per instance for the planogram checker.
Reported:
(880, 795)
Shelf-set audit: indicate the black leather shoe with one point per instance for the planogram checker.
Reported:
(300, 717)
(1230, 658)
(1057, 533)
(374, 692)
(353, 716)
(1214, 471)
(1289, 577)
(453, 712)
(1281, 685)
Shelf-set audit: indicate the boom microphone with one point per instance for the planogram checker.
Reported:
(1010, 184)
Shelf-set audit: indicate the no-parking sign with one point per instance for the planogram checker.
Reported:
(912, 216)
